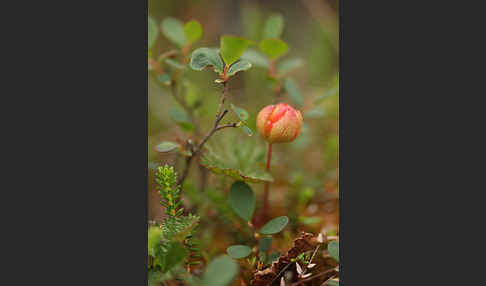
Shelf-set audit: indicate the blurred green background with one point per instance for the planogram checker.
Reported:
(306, 170)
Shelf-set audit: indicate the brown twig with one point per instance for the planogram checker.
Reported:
(313, 277)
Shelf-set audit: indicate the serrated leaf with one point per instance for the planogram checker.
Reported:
(293, 91)
(173, 29)
(333, 248)
(273, 26)
(264, 243)
(240, 112)
(238, 251)
(255, 58)
(232, 48)
(243, 162)
(193, 31)
(241, 65)
(204, 57)
(242, 200)
(181, 118)
(166, 146)
(220, 272)
(275, 225)
(152, 32)
(273, 48)
(288, 65)
(174, 64)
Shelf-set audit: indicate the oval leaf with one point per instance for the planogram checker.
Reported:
(273, 48)
(238, 251)
(240, 112)
(173, 29)
(204, 57)
(293, 90)
(273, 27)
(152, 32)
(256, 58)
(241, 65)
(333, 248)
(193, 31)
(232, 48)
(264, 243)
(275, 225)
(220, 272)
(242, 200)
(166, 146)
(288, 65)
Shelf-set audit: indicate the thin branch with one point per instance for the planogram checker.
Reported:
(327, 280)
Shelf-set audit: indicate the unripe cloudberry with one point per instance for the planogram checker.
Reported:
(279, 123)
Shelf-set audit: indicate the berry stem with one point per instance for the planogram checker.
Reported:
(267, 184)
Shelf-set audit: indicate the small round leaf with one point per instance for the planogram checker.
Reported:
(193, 31)
(220, 272)
(275, 225)
(232, 48)
(173, 29)
(333, 248)
(238, 251)
(273, 48)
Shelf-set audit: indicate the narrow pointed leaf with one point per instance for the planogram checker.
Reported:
(166, 146)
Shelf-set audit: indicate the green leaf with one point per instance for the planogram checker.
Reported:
(333, 282)
(333, 248)
(152, 32)
(174, 254)
(203, 57)
(275, 225)
(193, 31)
(315, 112)
(309, 220)
(232, 48)
(220, 272)
(240, 112)
(181, 118)
(288, 65)
(164, 78)
(174, 64)
(238, 251)
(273, 26)
(173, 29)
(241, 65)
(237, 158)
(256, 58)
(293, 90)
(264, 243)
(154, 237)
(166, 146)
(242, 200)
(273, 48)
(247, 130)
(273, 256)
(329, 93)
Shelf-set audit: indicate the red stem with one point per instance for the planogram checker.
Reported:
(267, 185)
